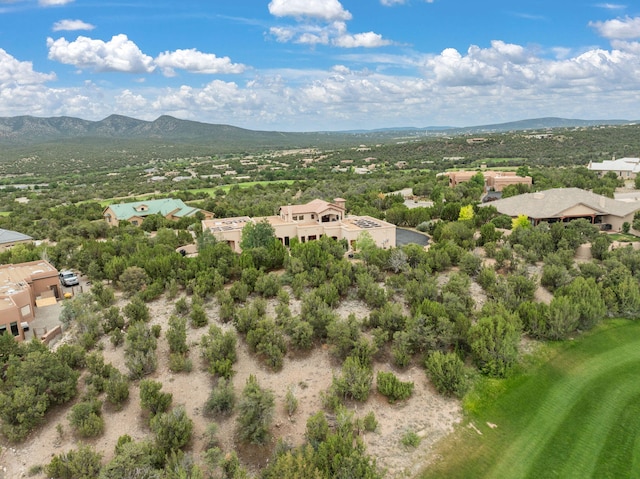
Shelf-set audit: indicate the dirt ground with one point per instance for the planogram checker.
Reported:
(426, 413)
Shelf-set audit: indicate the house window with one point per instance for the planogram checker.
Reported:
(3, 329)
(312, 237)
(134, 222)
(14, 329)
(295, 218)
(313, 217)
(286, 241)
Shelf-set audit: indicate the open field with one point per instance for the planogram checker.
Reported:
(247, 184)
(575, 415)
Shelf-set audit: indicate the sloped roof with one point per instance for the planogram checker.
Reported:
(621, 164)
(553, 203)
(163, 207)
(314, 206)
(8, 236)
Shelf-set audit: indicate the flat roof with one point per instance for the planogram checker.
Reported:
(13, 277)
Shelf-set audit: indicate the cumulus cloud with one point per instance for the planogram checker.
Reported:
(327, 10)
(72, 25)
(368, 40)
(619, 28)
(196, 62)
(14, 72)
(612, 6)
(53, 3)
(117, 55)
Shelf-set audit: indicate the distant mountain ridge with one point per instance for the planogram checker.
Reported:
(29, 130)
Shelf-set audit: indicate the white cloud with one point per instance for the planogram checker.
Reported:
(14, 72)
(368, 40)
(72, 25)
(327, 10)
(611, 6)
(196, 62)
(53, 3)
(625, 28)
(391, 3)
(117, 55)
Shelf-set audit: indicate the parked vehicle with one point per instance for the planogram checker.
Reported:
(68, 278)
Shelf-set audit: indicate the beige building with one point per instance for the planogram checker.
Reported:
(625, 168)
(565, 204)
(9, 239)
(308, 222)
(494, 180)
(22, 286)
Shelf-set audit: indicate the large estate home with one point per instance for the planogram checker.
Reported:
(494, 180)
(22, 287)
(626, 168)
(307, 222)
(135, 213)
(566, 204)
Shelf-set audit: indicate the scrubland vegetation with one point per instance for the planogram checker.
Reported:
(461, 310)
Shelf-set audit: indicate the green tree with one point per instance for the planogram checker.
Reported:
(494, 343)
(521, 221)
(256, 235)
(255, 412)
(447, 373)
(81, 463)
(172, 429)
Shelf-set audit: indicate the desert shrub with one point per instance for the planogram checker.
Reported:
(447, 373)
(81, 463)
(218, 349)
(152, 399)
(132, 280)
(222, 398)
(117, 389)
(355, 380)
(392, 388)
(172, 429)
(112, 319)
(179, 362)
(156, 329)
(290, 402)
(301, 334)
(342, 335)
(116, 337)
(136, 310)
(140, 350)
(317, 429)
(103, 295)
(177, 334)
(198, 316)
(227, 305)
(267, 339)
(153, 291)
(134, 460)
(256, 408)
(370, 422)
(268, 285)
(72, 355)
(86, 418)
(410, 440)
(239, 291)
(182, 307)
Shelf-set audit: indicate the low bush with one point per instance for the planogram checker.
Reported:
(392, 388)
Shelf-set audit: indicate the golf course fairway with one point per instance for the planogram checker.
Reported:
(574, 414)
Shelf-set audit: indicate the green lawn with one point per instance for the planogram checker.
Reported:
(625, 237)
(576, 415)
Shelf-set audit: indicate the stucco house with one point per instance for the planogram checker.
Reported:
(22, 286)
(625, 168)
(135, 213)
(307, 222)
(10, 238)
(493, 179)
(565, 204)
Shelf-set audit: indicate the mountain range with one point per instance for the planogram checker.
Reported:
(29, 130)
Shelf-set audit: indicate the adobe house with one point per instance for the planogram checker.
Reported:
(307, 222)
(22, 287)
(135, 213)
(494, 180)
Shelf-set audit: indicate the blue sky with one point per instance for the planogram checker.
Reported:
(310, 65)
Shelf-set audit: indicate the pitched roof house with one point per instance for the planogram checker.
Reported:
(627, 168)
(10, 238)
(307, 222)
(565, 204)
(135, 213)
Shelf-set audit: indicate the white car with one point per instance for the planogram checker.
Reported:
(68, 278)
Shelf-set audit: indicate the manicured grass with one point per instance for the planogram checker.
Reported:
(575, 415)
(5, 213)
(226, 188)
(622, 237)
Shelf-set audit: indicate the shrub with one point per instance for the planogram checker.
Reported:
(133, 280)
(182, 307)
(172, 429)
(136, 310)
(81, 463)
(219, 351)
(447, 374)
(86, 418)
(222, 398)
(140, 354)
(290, 402)
(410, 440)
(370, 422)
(117, 389)
(177, 334)
(256, 410)
(355, 381)
(178, 362)
(392, 388)
(317, 429)
(112, 319)
(198, 316)
(152, 399)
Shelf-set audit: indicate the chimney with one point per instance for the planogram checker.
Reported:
(340, 203)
